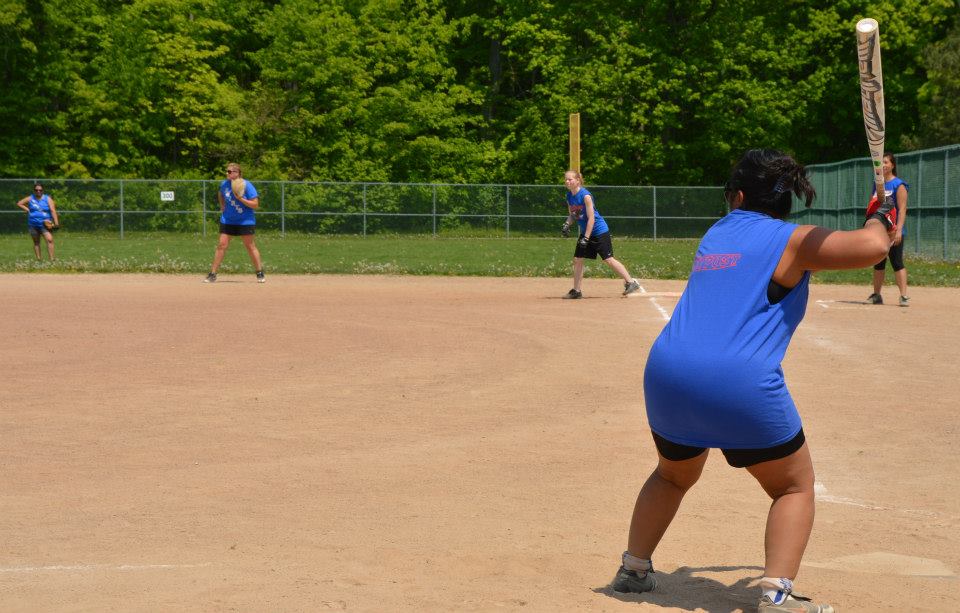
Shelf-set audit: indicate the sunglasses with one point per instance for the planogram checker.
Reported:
(38, 190)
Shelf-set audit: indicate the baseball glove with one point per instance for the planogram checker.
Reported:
(239, 186)
(48, 224)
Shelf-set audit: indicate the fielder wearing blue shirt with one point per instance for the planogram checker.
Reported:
(42, 217)
(237, 218)
(594, 236)
(892, 211)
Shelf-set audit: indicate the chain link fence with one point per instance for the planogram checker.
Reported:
(933, 205)
(136, 205)
(843, 188)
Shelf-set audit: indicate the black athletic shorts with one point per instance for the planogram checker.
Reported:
(234, 230)
(896, 258)
(738, 458)
(598, 245)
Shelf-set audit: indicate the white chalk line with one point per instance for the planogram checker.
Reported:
(89, 567)
(653, 300)
(820, 492)
(842, 305)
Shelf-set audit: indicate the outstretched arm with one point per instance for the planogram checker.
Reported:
(813, 248)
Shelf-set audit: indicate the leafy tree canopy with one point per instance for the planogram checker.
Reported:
(669, 91)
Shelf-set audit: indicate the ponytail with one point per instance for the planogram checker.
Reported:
(767, 178)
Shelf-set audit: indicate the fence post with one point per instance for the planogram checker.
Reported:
(823, 211)
(203, 205)
(946, 184)
(836, 206)
(654, 212)
(283, 208)
(364, 201)
(434, 187)
(121, 209)
(916, 241)
(508, 210)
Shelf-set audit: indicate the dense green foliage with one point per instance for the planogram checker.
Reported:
(182, 253)
(669, 91)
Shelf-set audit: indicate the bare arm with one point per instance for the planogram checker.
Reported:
(588, 201)
(53, 211)
(253, 203)
(23, 204)
(815, 248)
(901, 214)
(220, 198)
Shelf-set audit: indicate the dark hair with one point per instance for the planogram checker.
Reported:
(767, 177)
(893, 160)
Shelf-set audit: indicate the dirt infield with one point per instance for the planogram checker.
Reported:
(438, 444)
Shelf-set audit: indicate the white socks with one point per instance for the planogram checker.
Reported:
(639, 565)
(775, 589)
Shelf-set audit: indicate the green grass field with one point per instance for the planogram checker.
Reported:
(414, 255)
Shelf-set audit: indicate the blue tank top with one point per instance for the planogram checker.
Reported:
(235, 212)
(713, 376)
(579, 210)
(39, 211)
(890, 190)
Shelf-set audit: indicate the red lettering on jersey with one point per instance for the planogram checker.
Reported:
(715, 261)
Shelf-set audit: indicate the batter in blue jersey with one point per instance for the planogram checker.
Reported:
(713, 377)
(594, 236)
(724, 343)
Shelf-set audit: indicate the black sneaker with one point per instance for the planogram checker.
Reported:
(630, 582)
(904, 301)
(573, 295)
(875, 299)
(260, 277)
(211, 278)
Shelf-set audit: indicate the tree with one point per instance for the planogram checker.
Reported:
(939, 112)
(157, 99)
(366, 91)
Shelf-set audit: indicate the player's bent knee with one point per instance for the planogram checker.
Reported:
(684, 475)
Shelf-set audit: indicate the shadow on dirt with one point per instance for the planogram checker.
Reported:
(683, 589)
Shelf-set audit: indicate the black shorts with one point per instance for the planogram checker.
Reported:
(738, 458)
(598, 245)
(234, 230)
(896, 258)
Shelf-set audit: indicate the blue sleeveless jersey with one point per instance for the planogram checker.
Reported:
(890, 189)
(39, 211)
(713, 376)
(579, 210)
(235, 212)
